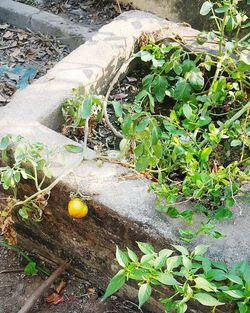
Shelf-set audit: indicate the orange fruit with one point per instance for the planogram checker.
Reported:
(77, 208)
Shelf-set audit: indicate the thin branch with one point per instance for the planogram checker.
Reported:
(42, 288)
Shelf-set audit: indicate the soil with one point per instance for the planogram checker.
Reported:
(78, 295)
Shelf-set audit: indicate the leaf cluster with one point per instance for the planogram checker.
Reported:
(186, 275)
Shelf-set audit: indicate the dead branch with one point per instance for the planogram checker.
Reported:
(41, 289)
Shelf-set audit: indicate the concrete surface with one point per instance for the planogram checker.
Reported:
(180, 10)
(26, 16)
(122, 211)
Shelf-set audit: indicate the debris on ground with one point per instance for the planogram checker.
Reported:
(25, 55)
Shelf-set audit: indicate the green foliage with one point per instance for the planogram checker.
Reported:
(198, 149)
(189, 275)
(29, 161)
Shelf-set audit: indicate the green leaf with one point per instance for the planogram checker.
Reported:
(146, 248)
(181, 249)
(202, 283)
(121, 257)
(196, 79)
(245, 57)
(73, 148)
(206, 8)
(237, 294)
(234, 278)
(200, 250)
(160, 86)
(132, 255)
(115, 284)
(222, 213)
(24, 213)
(144, 293)
(222, 9)
(142, 163)
(206, 299)
(145, 56)
(235, 143)
(182, 90)
(5, 141)
(186, 262)
(31, 268)
(86, 107)
(205, 153)
(167, 279)
(243, 307)
(173, 262)
(143, 124)
(187, 110)
(118, 108)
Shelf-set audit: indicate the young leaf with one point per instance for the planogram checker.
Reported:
(4, 142)
(187, 110)
(115, 284)
(146, 248)
(31, 268)
(73, 148)
(133, 257)
(144, 294)
(86, 107)
(121, 257)
(206, 8)
(206, 299)
(200, 250)
(167, 279)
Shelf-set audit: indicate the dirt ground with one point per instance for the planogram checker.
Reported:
(78, 296)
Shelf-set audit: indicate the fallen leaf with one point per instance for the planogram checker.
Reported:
(15, 53)
(54, 298)
(91, 290)
(131, 79)
(119, 96)
(8, 35)
(60, 286)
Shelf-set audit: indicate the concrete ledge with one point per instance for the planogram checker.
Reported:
(122, 211)
(26, 16)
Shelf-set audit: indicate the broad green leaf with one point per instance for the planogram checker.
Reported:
(86, 107)
(200, 249)
(196, 79)
(173, 262)
(181, 249)
(167, 279)
(206, 299)
(160, 86)
(31, 268)
(245, 57)
(165, 252)
(121, 257)
(187, 110)
(144, 294)
(182, 90)
(115, 284)
(73, 148)
(243, 307)
(5, 141)
(205, 153)
(143, 124)
(142, 163)
(146, 248)
(234, 278)
(237, 294)
(222, 213)
(222, 9)
(132, 255)
(187, 66)
(145, 56)
(118, 108)
(186, 262)
(24, 212)
(235, 143)
(206, 8)
(202, 283)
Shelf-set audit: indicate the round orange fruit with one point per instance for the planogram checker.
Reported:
(77, 208)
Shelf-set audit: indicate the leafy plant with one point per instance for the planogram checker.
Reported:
(185, 275)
